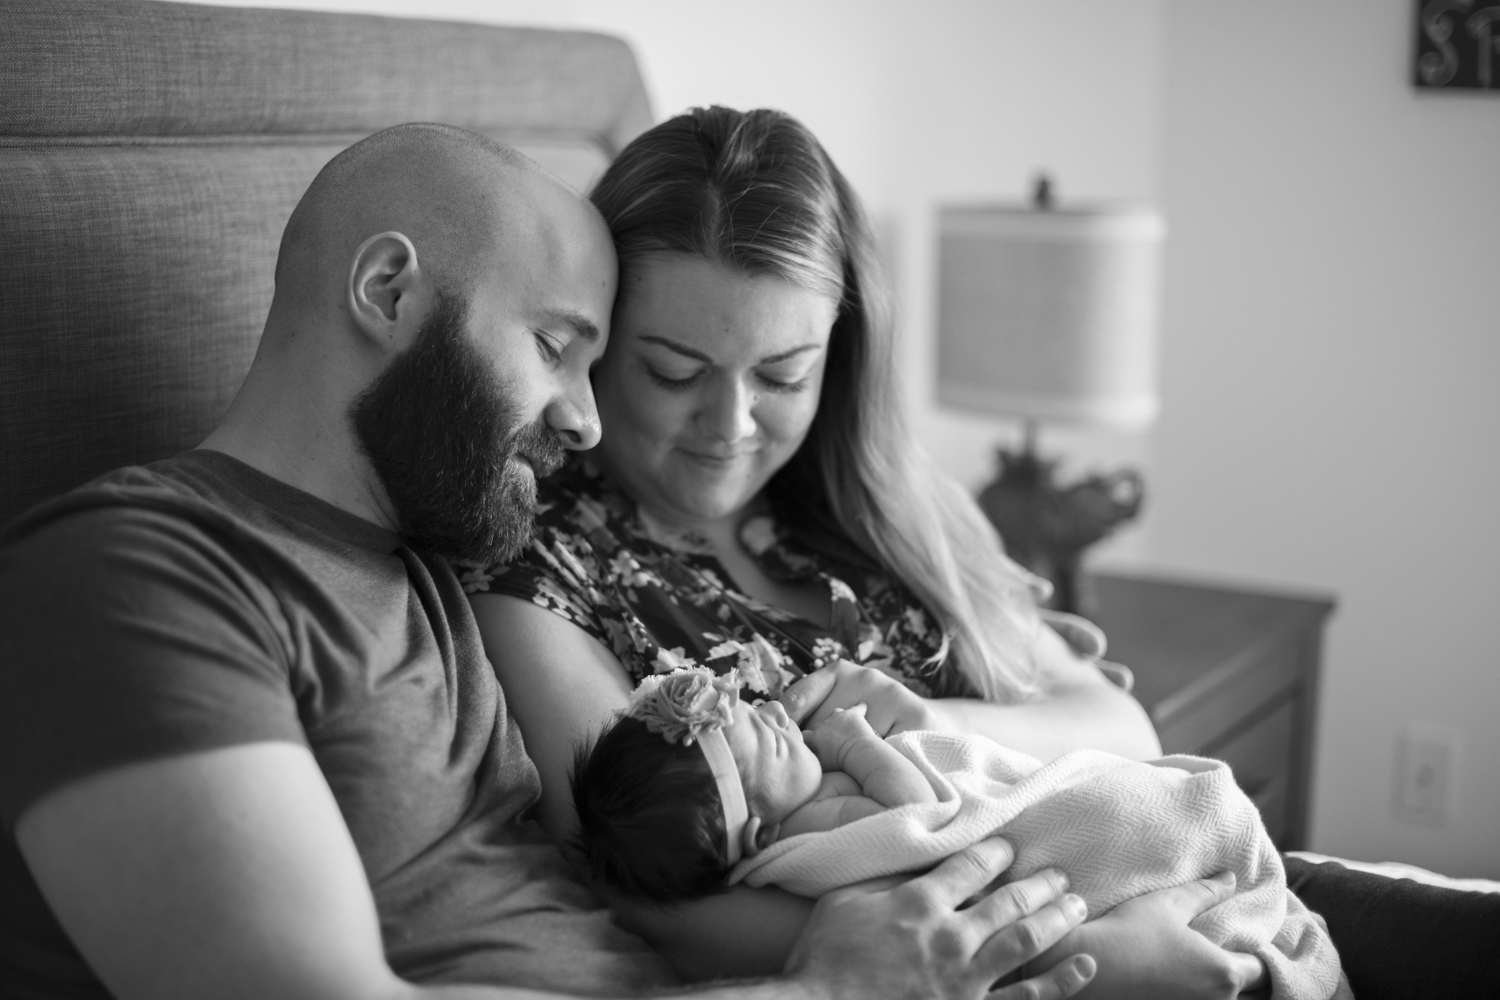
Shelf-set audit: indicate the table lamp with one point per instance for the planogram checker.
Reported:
(1049, 314)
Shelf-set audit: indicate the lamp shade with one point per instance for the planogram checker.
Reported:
(1050, 314)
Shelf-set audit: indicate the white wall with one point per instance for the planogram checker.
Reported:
(1332, 380)
(1331, 346)
(917, 102)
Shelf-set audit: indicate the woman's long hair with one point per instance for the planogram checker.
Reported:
(755, 191)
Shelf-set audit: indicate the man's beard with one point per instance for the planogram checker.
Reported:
(441, 431)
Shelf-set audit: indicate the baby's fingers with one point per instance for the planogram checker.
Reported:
(1062, 980)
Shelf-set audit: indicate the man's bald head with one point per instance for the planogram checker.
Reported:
(460, 197)
(439, 301)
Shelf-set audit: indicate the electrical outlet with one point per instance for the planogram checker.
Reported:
(1426, 773)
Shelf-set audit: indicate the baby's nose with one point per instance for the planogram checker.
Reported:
(777, 713)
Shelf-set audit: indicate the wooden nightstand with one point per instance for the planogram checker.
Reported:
(1226, 673)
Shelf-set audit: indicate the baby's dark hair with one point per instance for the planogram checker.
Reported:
(650, 821)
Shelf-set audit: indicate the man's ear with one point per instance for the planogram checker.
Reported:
(388, 295)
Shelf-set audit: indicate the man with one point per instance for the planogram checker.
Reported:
(250, 745)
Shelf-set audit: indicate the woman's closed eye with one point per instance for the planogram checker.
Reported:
(674, 380)
(784, 385)
(667, 381)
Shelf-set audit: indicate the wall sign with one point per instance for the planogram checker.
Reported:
(1458, 45)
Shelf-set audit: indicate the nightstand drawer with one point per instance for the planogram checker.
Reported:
(1226, 673)
(1198, 717)
(1260, 757)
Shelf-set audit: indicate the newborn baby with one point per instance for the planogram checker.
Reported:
(692, 790)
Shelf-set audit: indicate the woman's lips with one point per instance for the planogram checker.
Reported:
(714, 460)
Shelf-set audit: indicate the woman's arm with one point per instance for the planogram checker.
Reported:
(1079, 707)
(744, 933)
(562, 686)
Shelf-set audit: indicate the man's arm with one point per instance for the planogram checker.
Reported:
(230, 874)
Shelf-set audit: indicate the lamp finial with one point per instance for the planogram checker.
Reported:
(1041, 192)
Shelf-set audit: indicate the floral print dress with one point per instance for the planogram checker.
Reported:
(660, 599)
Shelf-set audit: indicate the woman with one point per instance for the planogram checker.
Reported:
(757, 502)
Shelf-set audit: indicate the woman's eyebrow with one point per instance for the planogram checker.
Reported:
(696, 355)
(682, 349)
(774, 358)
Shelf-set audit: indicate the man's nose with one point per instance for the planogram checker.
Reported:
(575, 417)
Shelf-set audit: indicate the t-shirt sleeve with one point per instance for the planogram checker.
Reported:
(130, 634)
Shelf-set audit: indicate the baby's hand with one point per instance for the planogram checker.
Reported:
(832, 738)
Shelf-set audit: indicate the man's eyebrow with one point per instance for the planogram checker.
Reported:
(689, 352)
(581, 324)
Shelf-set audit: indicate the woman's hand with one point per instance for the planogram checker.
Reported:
(891, 706)
(1146, 949)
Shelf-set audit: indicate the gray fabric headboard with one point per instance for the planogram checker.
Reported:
(150, 154)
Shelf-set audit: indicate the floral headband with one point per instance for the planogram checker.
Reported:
(693, 705)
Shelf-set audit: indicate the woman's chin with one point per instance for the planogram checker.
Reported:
(709, 497)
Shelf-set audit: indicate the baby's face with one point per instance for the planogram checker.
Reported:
(778, 770)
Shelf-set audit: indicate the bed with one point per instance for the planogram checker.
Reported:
(150, 154)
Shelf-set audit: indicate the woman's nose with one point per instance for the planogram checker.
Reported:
(730, 415)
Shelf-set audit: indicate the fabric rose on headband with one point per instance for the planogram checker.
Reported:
(686, 703)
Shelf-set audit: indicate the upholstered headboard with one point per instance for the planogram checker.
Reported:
(150, 154)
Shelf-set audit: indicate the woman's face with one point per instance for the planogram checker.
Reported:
(709, 385)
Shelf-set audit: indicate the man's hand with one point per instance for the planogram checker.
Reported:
(892, 707)
(910, 939)
(1146, 949)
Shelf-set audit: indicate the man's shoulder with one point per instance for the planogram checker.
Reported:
(128, 503)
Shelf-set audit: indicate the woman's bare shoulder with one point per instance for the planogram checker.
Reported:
(560, 684)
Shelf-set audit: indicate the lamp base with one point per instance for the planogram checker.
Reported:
(1047, 527)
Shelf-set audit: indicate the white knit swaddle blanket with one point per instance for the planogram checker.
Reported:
(1118, 828)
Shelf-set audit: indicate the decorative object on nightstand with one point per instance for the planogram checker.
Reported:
(1458, 45)
(1227, 673)
(1048, 313)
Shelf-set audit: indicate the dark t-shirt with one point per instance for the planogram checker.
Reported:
(197, 603)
